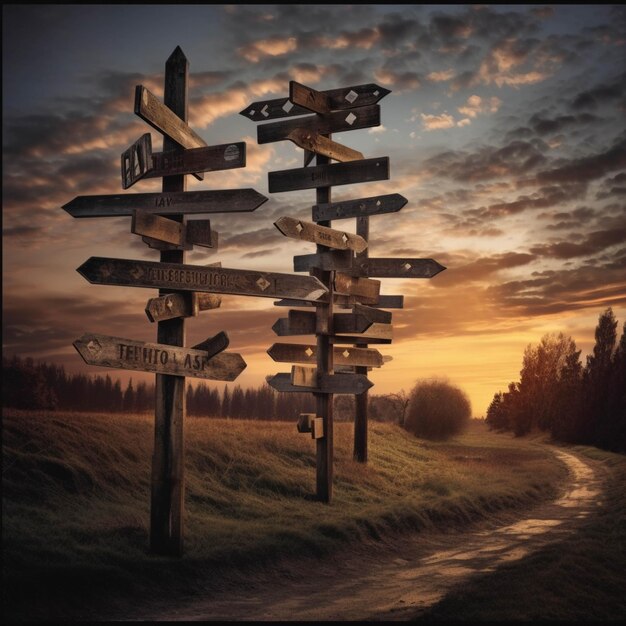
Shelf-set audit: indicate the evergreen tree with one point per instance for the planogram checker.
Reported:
(597, 381)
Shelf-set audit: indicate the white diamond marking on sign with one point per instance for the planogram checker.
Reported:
(344, 238)
(407, 266)
(263, 283)
(350, 118)
(251, 112)
(169, 304)
(346, 353)
(376, 92)
(308, 352)
(264, 111)
(299, 227)
(287, 106)
(351, 96)
(94, 346)
(378, 203)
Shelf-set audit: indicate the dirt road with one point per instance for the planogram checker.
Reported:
(395, 581)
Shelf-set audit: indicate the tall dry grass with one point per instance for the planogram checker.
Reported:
(76, 490)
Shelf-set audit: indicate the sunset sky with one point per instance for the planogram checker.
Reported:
(505, 128)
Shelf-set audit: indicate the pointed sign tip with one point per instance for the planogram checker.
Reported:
(177, 56)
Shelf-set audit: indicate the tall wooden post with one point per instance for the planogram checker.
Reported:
(324, 329)
(361, 400)
(167, 501)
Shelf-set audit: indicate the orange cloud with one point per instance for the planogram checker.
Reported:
(273, 46)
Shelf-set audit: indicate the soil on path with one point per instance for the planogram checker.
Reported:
(400, 578)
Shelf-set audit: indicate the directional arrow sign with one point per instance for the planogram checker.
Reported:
(309, 231)
(364, 171)
(158, 358)
(376, 333)
(374, 330)
(150, 109)
(382, 302)
(353, 384)
(339, 99)
(339, 121)
(214, 345)
(327, 261)
(307, 353)
(304, 96)
(304, 323)
(136, 161)
(169, 203)
(317, 144)
(298, 323)
(179, 276)
(210, 158)
(174, 305)
(354, 286)
(154, 226)
(362, 207)
(398, 268)
(372, 315)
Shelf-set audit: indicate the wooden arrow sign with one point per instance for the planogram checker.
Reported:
(173, 305)
(322, 235)
(398, 268)
(364, 171)
(184, 277)
(136, 161)
(374, 330)
(362, 207)
(339, 99)
(309, 98)
(328, 261)
(298, 323)
(354, 286)
(307, 353)
(339, 121)
(382, 302)
(317, 144)
(214, 345)
(354, 384)
(304, 323)
(372, 315)
(150, 109)
(158, 358)
(194, 232)
(170, 203)
(210, 158)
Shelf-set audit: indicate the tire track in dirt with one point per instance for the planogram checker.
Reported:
(397, 583)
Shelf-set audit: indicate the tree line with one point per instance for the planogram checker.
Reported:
(34, 385)
(557, 394)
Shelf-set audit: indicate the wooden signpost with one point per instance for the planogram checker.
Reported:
(341, 261)
(184, 289)
(154, 357)
(167, 203)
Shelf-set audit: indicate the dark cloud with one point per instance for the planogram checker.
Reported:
(601, 94)
(480, 269)
(565, 290)
(593, 243)
(513, 160)
(587, 168)
(547, 126)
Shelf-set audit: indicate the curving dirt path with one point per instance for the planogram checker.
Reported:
(395, 582)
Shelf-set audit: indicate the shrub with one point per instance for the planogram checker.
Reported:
(437, 410)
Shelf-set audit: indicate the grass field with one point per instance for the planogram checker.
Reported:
(76, 491)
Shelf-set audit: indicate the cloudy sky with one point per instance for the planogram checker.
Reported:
(505, 128)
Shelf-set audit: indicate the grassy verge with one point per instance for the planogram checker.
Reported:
(76, 492)
(581, 578)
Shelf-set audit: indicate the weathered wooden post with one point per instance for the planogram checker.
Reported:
(341, 261)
